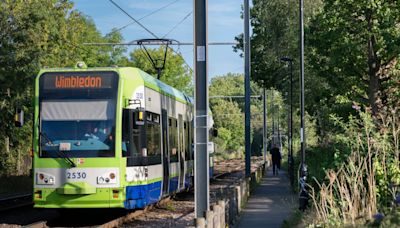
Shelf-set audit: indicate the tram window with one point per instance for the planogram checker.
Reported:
(156, 118)
(173, 139)
(153, 133)
(125, 133)
(129, 127)
(187, 141)
(191, 141)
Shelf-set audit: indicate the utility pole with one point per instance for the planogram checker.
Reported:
(291, 159)
(265, 125)
(273, 118)
(201, 164)
(303, 197)
(290, 129)
(302, 130)
(247, 86)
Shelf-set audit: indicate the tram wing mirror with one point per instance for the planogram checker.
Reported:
(19, 117)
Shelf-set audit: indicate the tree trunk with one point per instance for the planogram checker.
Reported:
(373, 69)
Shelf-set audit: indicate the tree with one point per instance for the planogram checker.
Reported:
(35, 34)
(233, 130)
(176, 72)
(232, 109)
(354, 46)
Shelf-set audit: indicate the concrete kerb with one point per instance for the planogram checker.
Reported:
(233, 199)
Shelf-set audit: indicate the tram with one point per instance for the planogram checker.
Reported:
(111, 137)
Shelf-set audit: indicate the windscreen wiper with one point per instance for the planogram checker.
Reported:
(60, 153)
(65, 156)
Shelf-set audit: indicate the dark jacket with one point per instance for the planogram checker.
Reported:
(276, 155)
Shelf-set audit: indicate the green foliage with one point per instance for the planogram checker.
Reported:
(232, 131)
(364, 178)
(34, 34)
(176, 72)
(352, 42)
(228, 113)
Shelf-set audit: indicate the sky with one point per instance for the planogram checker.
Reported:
(224, 23)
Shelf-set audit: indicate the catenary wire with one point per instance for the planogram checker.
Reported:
(147, 15)
(179, 23)
(140, 24)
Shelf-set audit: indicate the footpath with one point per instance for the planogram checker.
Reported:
(270, 203)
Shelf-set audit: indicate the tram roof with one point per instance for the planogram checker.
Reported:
(155, 84)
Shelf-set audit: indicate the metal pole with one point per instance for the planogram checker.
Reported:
(201, 164)
(290, 123)
(273, 118)
(303, 197)
(247, 86)
(288, 132)
(291, 126)
(264, 126)
(302, 130)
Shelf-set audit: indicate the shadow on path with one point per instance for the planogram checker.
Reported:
(270, 203)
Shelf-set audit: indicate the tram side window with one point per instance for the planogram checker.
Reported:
(173, 139)
(130, 134)
(153, 132)
(187, 140)
(191, 140)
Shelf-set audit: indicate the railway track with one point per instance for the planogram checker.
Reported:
(17, 201)
(173, 212)
(115, 220)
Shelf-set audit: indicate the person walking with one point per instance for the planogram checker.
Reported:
(276, 160)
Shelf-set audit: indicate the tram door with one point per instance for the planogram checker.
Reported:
(181, 152)
(165, 163)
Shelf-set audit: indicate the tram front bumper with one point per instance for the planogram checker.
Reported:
(78, 198)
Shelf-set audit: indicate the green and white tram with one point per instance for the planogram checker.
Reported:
(108, 138)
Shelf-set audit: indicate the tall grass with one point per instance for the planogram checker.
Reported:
(367, 181)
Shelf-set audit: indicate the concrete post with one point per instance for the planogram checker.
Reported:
(200, 222)
(221, 203)
(210, 219)
(217, 216)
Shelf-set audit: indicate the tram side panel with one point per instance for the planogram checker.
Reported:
(165, 165)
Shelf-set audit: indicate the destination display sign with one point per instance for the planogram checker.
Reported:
(78, 80)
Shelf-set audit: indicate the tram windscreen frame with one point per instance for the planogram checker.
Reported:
(77, 114)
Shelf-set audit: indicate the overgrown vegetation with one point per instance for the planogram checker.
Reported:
(366, 184)
(352, 94)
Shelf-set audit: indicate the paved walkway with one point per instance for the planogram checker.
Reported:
(270, 203)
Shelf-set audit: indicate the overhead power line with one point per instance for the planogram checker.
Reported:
(254, 96)
(179, 23)
(119, 7)
(134, 42)
(147, 15)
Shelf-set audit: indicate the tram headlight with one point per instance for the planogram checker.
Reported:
(107, 178)
(100, 180)
(44, 179)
